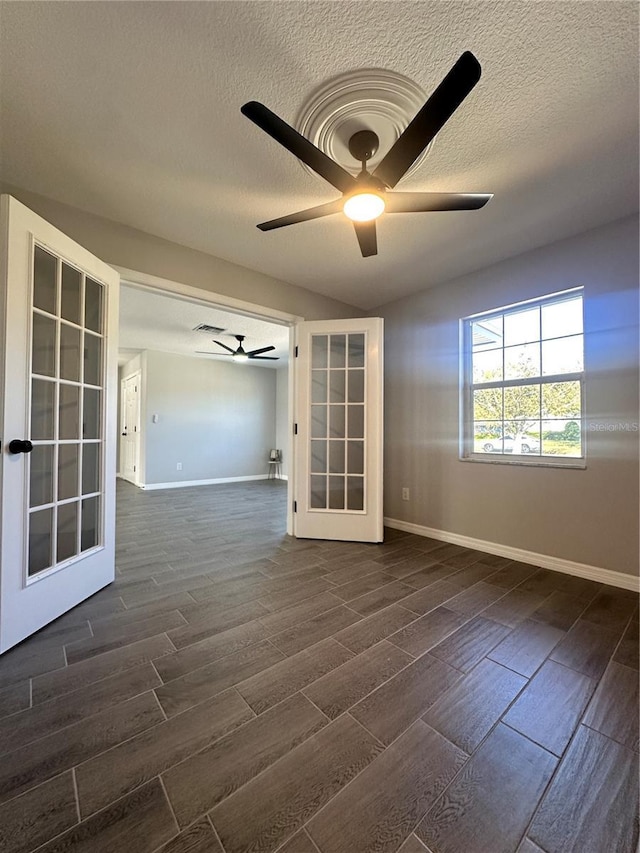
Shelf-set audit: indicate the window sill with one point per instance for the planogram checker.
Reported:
(536, 462)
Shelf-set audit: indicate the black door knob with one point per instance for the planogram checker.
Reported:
(19, 446)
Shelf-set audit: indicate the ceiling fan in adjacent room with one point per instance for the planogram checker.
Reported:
(365, 196)
(240, 354)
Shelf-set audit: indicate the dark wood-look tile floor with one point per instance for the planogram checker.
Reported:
(237, 690)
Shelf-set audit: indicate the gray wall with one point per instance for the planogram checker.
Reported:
(136, 250)
(218, 419)
(283, 426)
(589, 516)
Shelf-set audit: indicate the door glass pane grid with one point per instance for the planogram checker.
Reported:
(65, 476)
(337, 423)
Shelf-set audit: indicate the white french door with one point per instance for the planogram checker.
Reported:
(339, 420)
(59, 320)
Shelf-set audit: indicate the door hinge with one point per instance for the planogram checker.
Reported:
(296, 354)
(295, 429)
(135, 429)
(134, 468)
(295, 506)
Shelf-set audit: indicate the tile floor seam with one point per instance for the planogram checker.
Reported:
(595, 682)
(500, 717)
(406, 651)
(296, 603)
(167, 800)
(97, 681)
(162, 711)
(521, 674)
(215, 832)
(546, 658)
(598, 682)
(117, 746)
(34, 788)
(469, 756)
(360, 595)
(155, 669)
(317, 849)
(271, 707)
(244, 701)
(308, 698)
(31, 743)
(353, 779)
(76, 794)
(229, 733)
(371, 734)
(169, 640)
(552, 778)
(314, 847)
(555, 755)
(346, 648)
(608, 737)
(57, 837)
(278, 761)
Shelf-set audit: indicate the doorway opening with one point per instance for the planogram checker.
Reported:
(189, 413)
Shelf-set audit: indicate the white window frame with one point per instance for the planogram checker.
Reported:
(467, 387)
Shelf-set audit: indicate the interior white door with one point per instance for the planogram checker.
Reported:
(58, 393)
(130, 436)
(338, 394)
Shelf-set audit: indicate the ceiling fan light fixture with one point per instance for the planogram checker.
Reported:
(364, 207)
(240, 356)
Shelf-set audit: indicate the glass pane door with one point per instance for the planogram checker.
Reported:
(66, 424)
(337, 418)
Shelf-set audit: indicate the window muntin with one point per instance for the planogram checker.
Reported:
(522, 381)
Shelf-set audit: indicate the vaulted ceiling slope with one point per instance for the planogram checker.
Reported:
(132, 111)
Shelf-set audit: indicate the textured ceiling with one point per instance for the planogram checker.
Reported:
(132, 111)
(152, 321)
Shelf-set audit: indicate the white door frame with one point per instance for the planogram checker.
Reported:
(155, 284)
(123, 382)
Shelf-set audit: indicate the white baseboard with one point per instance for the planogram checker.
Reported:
(214, 482)
(557, 564)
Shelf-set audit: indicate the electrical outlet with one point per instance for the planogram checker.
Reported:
(405, 494)
(179, 466)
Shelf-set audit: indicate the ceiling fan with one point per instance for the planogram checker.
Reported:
(240, 354)
(365, 197)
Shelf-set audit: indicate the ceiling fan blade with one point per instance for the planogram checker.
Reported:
(419, 202)
(430, 118)
(255, 352)
(264, 358)
(206, 352)
(303, 215)
(300, 147)
(224, 346)
(366, 234)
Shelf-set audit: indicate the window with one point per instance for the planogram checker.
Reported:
(522, 383)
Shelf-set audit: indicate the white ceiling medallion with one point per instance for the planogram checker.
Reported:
(371, 99)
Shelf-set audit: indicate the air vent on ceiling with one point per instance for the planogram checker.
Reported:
(210, 330)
